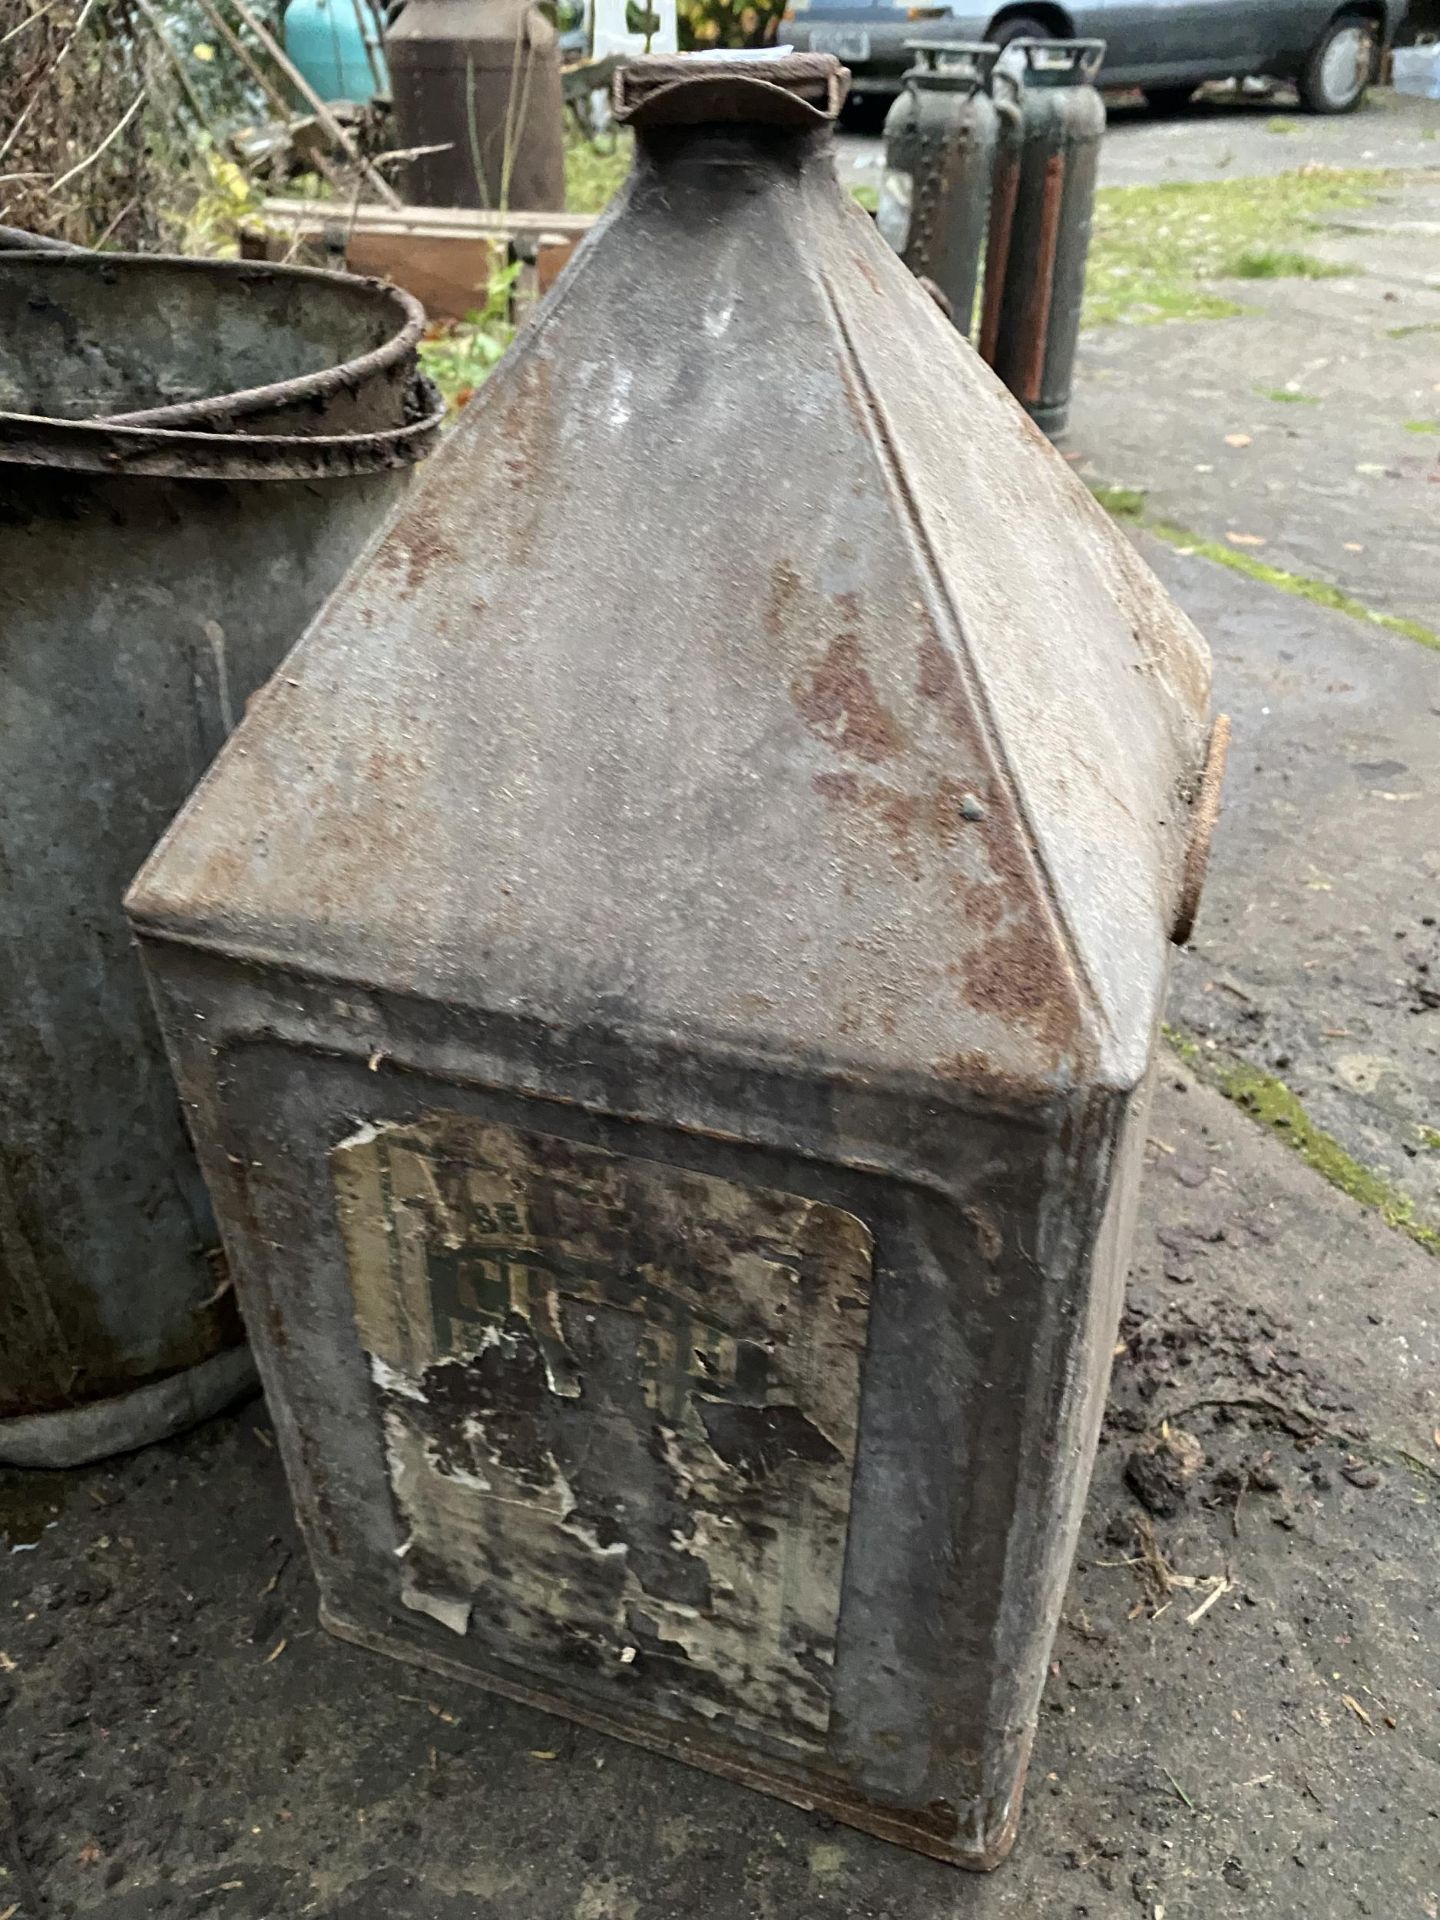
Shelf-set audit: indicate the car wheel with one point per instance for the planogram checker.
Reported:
(1168, 99)
(1340, 67)
(1021, 27)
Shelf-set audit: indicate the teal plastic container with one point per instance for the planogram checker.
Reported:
(336, 45)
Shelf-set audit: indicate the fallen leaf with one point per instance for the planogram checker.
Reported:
(1245, 539)
(450, 1719)
(275, 1652)
(89, 1853)
(10, 1911)
(7, 1665)
(1359, 1712)
(1352, 546)
(1237, 439)
(543, 1753)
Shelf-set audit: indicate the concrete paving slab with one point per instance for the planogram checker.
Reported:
(1317, 953)
(1309, 426)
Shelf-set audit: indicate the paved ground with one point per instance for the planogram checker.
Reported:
(1340, 482)
(1317, 955)
(1335, 484)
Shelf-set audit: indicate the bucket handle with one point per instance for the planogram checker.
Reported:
(979, 55)
(1083, 57)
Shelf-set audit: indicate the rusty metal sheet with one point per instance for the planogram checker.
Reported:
(620, 1404)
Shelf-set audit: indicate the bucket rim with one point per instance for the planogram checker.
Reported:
(125, 451)
(299, 390)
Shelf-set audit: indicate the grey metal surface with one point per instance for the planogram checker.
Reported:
(1043, 205)
(150, 581)
(940, 139)
(819, 845)
(477, 83)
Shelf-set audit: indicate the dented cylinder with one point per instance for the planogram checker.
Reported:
(666, 1008)
(939, 152)
(176, 500)
(1042, 206)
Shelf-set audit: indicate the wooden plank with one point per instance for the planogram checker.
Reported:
(447, 273)
(309, 219)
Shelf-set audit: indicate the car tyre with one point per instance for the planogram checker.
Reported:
(1168, 99)
(1022, 27)
(1340, 67)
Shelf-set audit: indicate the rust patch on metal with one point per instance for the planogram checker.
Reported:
(1205, 814)
(1014, 976)
(839, 702)
(784, 592)
(416, 545)
(620, 1404)
(908, 821)
(867, 273)
(997, 253)
(1040, 294)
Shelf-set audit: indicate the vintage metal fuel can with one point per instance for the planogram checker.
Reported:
(666, 1005)
(1042, 207)
(939, 153)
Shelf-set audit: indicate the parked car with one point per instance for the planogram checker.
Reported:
(1329, 48)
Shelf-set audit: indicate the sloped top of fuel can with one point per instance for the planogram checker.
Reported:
(745, 670)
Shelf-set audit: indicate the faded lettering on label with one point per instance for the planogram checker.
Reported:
(620, 1403)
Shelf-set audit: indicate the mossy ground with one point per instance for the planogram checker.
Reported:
(1157, 252)
(1128, 503)
(1269, 1101)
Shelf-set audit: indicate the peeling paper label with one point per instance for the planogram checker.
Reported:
(620, 1403)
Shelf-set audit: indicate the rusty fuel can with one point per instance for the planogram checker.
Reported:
(667, 1018)
(191, 454)
(1043, 203)
(940, 138)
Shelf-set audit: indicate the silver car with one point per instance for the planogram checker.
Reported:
(1329, 48)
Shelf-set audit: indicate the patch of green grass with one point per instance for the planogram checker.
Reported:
(595, 170)
(1280, 263)
(460, 355)
(1288, 397)
(1416, 326)
(1268, 1100)
(1422, 426)
(1157, 251)
(1125, 503)
(1319, 593)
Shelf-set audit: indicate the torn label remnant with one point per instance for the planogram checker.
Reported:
(620, 1403)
